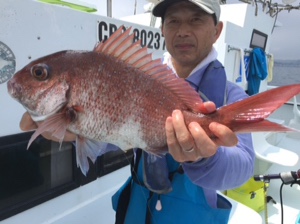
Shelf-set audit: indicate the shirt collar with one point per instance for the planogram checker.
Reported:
(195, 76)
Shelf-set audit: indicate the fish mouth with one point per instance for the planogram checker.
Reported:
(14, 89)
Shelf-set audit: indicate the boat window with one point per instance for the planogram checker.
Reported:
(258, 39)
(28, 177)
(44, 171)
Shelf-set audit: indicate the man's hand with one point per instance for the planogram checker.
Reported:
(192, 143)
(27, 124)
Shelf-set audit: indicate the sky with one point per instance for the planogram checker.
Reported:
(285, 41)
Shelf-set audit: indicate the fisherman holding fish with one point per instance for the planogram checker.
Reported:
(180, 186)
(197, 165)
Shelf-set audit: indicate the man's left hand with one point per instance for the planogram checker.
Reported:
(191, 143)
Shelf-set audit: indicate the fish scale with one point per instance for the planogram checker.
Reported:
(119, 95)
(108, 110)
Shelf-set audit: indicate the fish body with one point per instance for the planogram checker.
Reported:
(118, 94)
(116, 103)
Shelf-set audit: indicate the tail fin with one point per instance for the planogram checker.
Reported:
(249, 115)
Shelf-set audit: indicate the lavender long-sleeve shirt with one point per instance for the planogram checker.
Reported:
(230, 166)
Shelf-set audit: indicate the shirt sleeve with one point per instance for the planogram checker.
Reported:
(230, 167)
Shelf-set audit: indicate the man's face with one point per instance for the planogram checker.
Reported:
(189, 33)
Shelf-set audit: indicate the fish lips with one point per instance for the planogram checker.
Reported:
(14, 89)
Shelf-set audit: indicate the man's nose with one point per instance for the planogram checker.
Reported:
(183, 29)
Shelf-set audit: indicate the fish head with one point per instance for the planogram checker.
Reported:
(41, 86)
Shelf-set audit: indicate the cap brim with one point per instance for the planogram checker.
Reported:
(160, 9)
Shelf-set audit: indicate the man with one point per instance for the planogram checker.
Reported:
(196, 166)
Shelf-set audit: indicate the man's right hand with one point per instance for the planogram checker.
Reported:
(27, 124)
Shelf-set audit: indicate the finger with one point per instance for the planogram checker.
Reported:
(225, 137)
(182, 133)
(48, 135)
(69, 137)
(170, 133)
(204, 146)
(173, 146)
(207, 107)
(26, 123)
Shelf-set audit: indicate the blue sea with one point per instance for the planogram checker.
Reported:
(286, 72)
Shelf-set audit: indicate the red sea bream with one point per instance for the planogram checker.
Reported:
(118, 94)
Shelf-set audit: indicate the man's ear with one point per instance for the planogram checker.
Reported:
(219, 28)
(162, 30)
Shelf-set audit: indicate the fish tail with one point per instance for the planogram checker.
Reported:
(249, 115)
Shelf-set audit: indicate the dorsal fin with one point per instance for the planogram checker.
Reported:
(121, 46)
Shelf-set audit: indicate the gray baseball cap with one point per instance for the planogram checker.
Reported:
(209, 6)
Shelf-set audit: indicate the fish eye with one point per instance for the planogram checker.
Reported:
(40, 72)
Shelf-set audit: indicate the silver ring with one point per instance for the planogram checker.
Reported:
(190, 150)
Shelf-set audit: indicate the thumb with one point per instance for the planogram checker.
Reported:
(207, 107)
(26, 123)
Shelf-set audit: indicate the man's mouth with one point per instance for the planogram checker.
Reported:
(184, 46)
